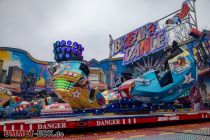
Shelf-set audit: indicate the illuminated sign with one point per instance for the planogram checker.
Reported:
(140, 42)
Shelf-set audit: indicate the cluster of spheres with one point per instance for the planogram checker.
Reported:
(67, 50)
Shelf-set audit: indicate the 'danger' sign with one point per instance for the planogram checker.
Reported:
(140, 42)
(108, 122)
(52, 126)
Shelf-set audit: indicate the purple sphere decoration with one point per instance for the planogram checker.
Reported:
(75, 44)
(68, 49)
(74, 50)
(57, 49)
(77, 53)
(57, 43)
(63, 42)
(69, 42)
(79, 46)
(54, 45)
(63, 48)
(60, 55)
(67, 55)
(78, 50)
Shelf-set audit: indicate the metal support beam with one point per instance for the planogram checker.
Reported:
(110, 61)
(168, 15)
(195, 15)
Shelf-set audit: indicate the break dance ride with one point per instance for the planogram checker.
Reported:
(165, 84)
(131, 100)
(70, 78)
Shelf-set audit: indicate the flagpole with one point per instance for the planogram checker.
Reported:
(110, 61)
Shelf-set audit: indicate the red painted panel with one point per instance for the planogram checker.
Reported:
(17, 126)
(1, 128)
(26, 127)
(9, 127)
(70, 125)
(146, 120)
(34, 126)
(190, 117)
(62, 124)
(91, 123)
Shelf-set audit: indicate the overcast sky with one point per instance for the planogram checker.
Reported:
(33, 25)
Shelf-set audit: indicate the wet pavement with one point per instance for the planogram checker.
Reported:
(195, 131)
(199, 131)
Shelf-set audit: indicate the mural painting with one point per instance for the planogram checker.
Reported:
(23, 74)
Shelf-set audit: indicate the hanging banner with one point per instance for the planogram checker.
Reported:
(140, 42)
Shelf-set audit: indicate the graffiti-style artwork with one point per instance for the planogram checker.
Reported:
(97, 79)
(204, 89)
(19, 69)
(200, 92)
(179, 64)
(201, 51)
(139, 43)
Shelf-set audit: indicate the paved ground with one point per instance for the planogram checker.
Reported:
(198, 131)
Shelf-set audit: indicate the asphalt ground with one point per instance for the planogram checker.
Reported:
(193, 130)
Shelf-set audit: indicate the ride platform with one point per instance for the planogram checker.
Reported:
(98, 121)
